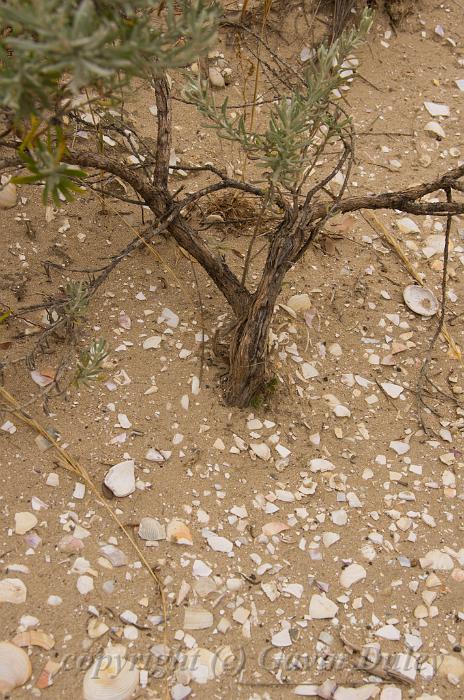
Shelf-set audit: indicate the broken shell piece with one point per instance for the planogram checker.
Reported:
(114, 555)
(274, 528)
(407, 225)
(152, 530)
(45, 679)
(204, 665)
(70, 544)
(281, 639)
(196, 618)
(96, 628)
(392, 390)
(435, 129)
(261, 450)
(178, 532)
(321, 607)
(352, 574)
(420, 300)
(437, 561)
(152, 343)
(15, 667)
(321, 465)
(299, 302)
(111, 677)
(84, 584)
(34, 638)
(435, 109)
(120, 479)
(12, 590)
(24, 522)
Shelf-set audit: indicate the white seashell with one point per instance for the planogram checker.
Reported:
(15, 667)
(281, 639)
(309, 371)
(407, 225)
(261, 450)
(339, 517)
(152, 343)
(341, 411)
(124, 421)
(178, 532)
(111, 677)
(299, 302)
(437, 561)
(204, 586)
(169, 318)
(321, 607)
(120, 479)
(24, 522)
(54, 600)
(352, 574)
(400, 447)
(8, 195)
(195, 385)
(274, 528)
(199, 568)
(196, 618)
(153, 455)
(114, 555)
(420, 300)
(96, 628)
(84, 584)
(435, 109)
(436, 129)
(329, 538)
(70, 544)
(321, 465)
(219, 544)
(388, 632)
(12, 590)
(392, 390)
(152, 530)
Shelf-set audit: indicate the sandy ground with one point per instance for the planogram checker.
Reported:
(385, 497)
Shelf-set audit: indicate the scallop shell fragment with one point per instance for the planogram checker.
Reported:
(114, 555)
(34, 638)
(420, 300)
(111, 677)
(197, 618)
(120, 479)
(151, 530)
(24, 522)
(178, 532)
(15, 667)
(12, 590)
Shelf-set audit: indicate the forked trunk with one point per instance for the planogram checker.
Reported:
(248, 353)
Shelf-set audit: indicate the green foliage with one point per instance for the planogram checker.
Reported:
(90, 364)
(281, 150)
(43, 160)
(54, 53)
(56, 48)
(77, 295)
